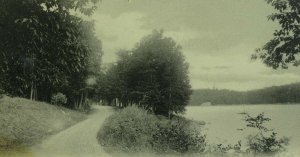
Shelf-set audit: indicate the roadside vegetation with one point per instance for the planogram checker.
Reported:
(133, 131)
(24, 122)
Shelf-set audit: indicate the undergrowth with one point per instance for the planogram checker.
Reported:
(133, 130)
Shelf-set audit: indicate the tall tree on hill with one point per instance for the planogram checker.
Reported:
(284, 48)
(44, 48)
(154, 75)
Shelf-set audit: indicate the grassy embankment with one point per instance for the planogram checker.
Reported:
(24, 122)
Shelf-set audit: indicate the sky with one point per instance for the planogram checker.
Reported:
(217, 37)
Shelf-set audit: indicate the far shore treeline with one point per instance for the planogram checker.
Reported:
(285, 94)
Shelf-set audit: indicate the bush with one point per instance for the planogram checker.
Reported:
(177, 135)
(265, 141)
(127, 130)
(59, 99)
(133, 130)
(223, 150)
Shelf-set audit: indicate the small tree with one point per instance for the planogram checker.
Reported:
(59, 99)
(265, 141)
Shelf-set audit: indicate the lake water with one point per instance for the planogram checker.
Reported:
(223, 122)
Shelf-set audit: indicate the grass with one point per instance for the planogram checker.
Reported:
(24, 122)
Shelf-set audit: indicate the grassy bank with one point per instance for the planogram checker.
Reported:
(24, 122)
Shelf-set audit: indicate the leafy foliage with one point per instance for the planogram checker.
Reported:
(133, 130)
(264, 142)
(285, 46)
(153, 75)
(59, 99)
(127, 130)
(223, 150)
(177, 136)
(44, 48)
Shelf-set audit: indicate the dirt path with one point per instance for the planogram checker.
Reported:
(76, 141)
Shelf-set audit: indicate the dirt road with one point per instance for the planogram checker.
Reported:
(78, 140)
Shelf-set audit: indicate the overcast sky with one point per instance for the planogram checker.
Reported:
(217, 36)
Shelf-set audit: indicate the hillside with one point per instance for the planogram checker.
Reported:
(271, 95)
(24, 122)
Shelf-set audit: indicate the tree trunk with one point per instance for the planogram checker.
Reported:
(31, 92)
(81, 101)
(169, 106)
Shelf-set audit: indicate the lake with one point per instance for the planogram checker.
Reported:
(223, 122)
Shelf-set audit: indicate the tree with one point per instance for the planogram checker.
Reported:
(45, 48)
(265, 140)
(284, 48)
(154, 75)
(108, 85)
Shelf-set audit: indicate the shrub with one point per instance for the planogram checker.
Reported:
(265, 141)
(59, 99)
(223, 150)
(266, 144)
(133, 130)
(127, 130)
(177, 135)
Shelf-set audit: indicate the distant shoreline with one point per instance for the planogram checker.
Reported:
(240, 105)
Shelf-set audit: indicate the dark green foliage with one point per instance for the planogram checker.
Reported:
(271, 95)
(153, 75)
(58, 99)
(257, 122)
(128, 130)
(265, 141)
(133, 130)
(45, 49)
(177, 136)
(262, 144)
(284, 48)
(223, 150)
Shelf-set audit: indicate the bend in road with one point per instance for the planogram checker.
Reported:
(78, 140)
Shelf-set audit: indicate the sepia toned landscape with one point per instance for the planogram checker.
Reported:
(165, 78)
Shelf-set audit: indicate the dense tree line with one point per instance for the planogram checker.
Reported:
(271, 95)
(45, 49)
(153, 75)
